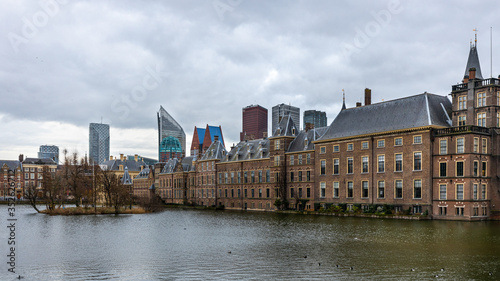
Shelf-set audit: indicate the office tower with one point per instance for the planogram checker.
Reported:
(98, 142)
(49, 152)
(171, 137)
(281, 110)
(314, 119)
(254, 122)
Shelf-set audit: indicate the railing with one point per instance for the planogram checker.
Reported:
(462, 129)
(487, 82)
(459, 87)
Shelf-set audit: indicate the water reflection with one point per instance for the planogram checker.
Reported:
(196, 245)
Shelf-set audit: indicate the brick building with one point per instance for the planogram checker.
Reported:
(254, 123)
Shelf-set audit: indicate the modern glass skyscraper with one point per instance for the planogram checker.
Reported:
(49, 152)
(281, 110)
(315, 117)
(171, 137)
(99, 142)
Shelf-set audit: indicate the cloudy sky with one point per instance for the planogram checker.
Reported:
(65, 64)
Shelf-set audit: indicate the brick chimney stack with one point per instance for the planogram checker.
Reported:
(216, 138)
(368, 96)
(472, 73)
(21, 157)
(358, 104)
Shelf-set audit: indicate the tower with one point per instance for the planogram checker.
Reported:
(176, 144)
(99, 142)
(254, 122)
(280, 110)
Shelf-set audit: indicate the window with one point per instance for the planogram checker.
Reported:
(308, 192)
(364, 189)
(253, 176)
(323, 167)
(350, 165)
(381, 143)
(498, 119)
(291, 176)
(268, 193)
(476, 145)
(461, 120)
(335, 166)
(481, 119)
(398, 192)
(442, 169)
(336, 148)
(322, 189)
(381, 189)
(260, 193)
(460, 191)
(226, 180)
(483, 191)
(350, 147)
(268, 175)
(442, 192)
(417, 161)
(460, 169)
(292, 159)
(398, 141)
(308, 158)
(364, 165)
(308, 174)
(462, 102)
(253, 193)
(276, 160)
(460, 145)
(364, 145)
(474, 191)
(398, 165)
(483, 169)
(300, 175)
(443, 211)
(335, 189)
(322, 150)
(277, 144)
(300, 159)
(481, 99)
(417, 139)
(459, 211)
(485, 145)
(443, 147)
(381, 163)
(349, 189)
(417, 189)
(292, 194)
(498, 98)
(245, 177)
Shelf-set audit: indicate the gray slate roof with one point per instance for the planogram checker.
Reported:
(286, 127)
(473, 62)
(215, 151)
(11, 164)
(143, 174)
(187, 163)
(300, 143)
(132, 165)
(248, 150)
(39, 161)
(126, 179)
(170, 166)
(405, 113)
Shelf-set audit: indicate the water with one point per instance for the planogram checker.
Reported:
(195, 245)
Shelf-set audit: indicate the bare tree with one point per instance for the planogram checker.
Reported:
(76, 176)
(52, 187)
(115, 193)
(31, 193)
(281, 184)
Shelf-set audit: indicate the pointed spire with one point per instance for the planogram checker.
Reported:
(343, 100)
(473, 60)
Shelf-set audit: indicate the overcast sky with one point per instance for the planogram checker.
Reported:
(65, 64)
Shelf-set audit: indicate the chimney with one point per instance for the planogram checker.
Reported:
(136, 157)
(111, 157)
(368, 96)
(216, 138)
(264, 135)
(466, 79)
(21, 157)
(472, 73)
(121, 156)
(309, 126)
(358, 104)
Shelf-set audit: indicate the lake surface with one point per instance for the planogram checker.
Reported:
(223, 245)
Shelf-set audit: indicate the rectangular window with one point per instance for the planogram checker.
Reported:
(336, 148)
(308, 192)
(460, 145)
(364, 165)
(364, 189)
(443, 147)
(483, 191)
(268, 193)
(300, 159)
(442, 192)
(474, 191)
(292, 159)
(460, 191)
(364, 145)
(381, 189)
(350, 147)
(476, 145)
(232, 178)
(442, 169)
(481, 99)
(260, 176)
(459, 211)
(245, 192)
(226, 179)
(276, 160)
(398, 189)
(291, 176)
(253, 193)
(443, 211)
(322, 186)
(498, 119)
(417, 189)
(308, 158)
(322, 150)
(245, 177)
(417, 161)
(462, 102)
(239, 177)
(381, 163)
(335, 189)
(485, 145)
(336, 166)
(253, 176)
(268, 176)
(481, 119)
(398, 141)
(461, 120)
(460, 169)
(300, 175)
(398, 165)
(277, 144)
(323, 167)
(292, 194)
(350, 165)
(483, 169)
(308, 174)
(381, 143)
(349, 189)
(417, 139)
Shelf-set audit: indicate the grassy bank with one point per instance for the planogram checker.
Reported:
(71, 211)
